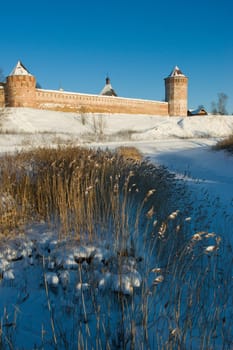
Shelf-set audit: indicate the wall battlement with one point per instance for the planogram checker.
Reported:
(20, 91)
(96, 103)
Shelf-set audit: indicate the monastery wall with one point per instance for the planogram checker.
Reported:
(68, 101)
(2, 96)
(177, 95)
(20, 91)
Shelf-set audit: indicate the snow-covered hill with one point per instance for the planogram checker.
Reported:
(113, 127)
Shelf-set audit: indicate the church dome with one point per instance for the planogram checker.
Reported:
(108, 90)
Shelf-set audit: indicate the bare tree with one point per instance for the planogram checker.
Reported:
(222, 101)
(214, 109)
(83, 112)
(219, 107)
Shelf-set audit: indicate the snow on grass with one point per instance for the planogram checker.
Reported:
(43, 304)
(23, 280)
(117, 300)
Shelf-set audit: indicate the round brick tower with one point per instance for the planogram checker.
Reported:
(20, 88)
(176, 93)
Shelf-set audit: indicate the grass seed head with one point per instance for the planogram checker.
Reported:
(188, 219)
(158, 280)
(196, 237)
(162, 229)
(211, 248)
(173, 215)
(150, 192)
(210, 235)
(150, 213)
(156, 270)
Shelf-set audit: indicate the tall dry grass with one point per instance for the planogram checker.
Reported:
(225, 144)
(184, 300)
(80, 191)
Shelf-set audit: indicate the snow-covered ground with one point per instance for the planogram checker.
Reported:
(180, 144)
(141, 127)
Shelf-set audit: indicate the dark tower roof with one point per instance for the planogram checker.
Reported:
(108, 90)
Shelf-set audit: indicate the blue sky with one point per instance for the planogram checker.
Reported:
(74, 44)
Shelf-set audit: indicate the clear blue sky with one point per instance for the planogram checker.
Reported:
(74, 44)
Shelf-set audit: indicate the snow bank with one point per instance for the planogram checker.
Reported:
(140, 127)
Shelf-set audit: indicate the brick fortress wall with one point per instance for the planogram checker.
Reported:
(176, 90)
(20, 91)
(65, 101)
(2, 96)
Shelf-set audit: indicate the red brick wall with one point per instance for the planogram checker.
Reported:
(176, 95)
(58, 100)
(2, 97)
(20, 91)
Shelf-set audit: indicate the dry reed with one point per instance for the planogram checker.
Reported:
(80, 191)
(94, 194)
(225, 144)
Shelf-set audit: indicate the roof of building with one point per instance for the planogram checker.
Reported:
(20, 70)
(176, 72)
(108, 90)
(198, 111)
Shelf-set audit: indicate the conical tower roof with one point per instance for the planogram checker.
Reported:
(108, 90)
(176, 72)
(20, 70)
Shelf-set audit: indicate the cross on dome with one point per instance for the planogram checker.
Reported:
(108, 90)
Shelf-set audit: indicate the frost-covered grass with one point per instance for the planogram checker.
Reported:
(80, 191)
(98, 252)
(225, 144)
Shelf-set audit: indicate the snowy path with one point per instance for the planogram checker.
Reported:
(208, 173)
(197, 162)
